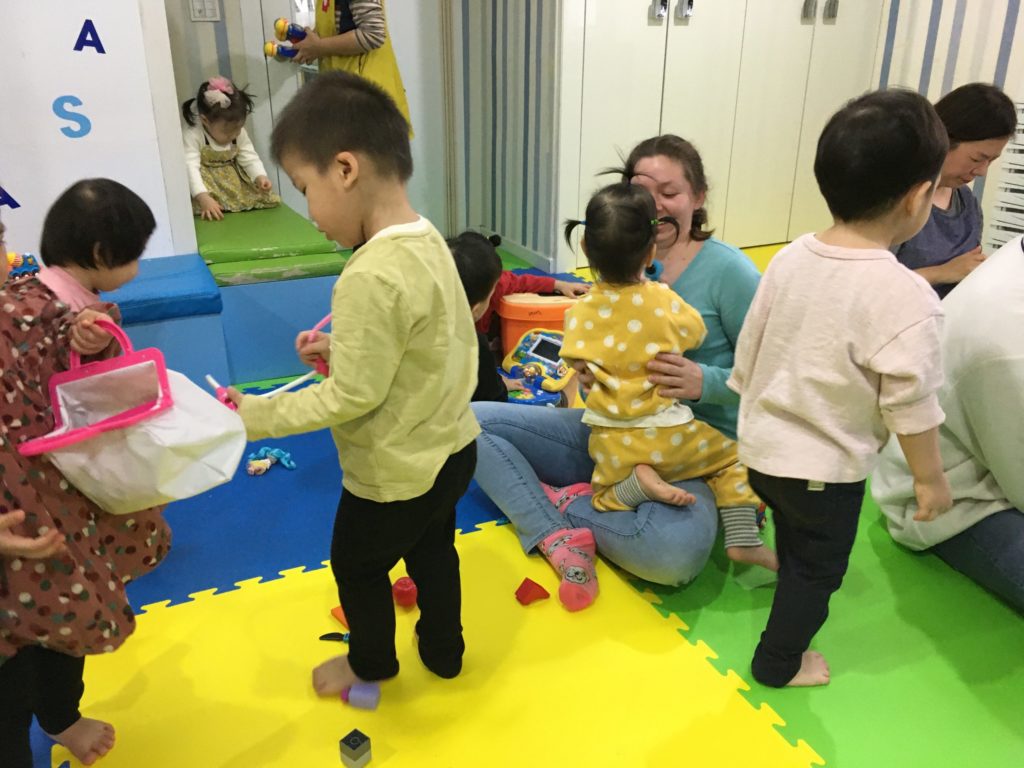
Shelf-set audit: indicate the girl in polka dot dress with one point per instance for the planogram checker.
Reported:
(641, 441)
(64, 563)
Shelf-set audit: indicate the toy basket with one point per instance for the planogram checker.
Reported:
(130, 434)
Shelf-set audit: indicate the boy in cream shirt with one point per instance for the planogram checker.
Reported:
(403, 368)
(840, 348)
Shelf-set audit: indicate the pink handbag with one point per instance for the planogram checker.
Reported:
(130, 434)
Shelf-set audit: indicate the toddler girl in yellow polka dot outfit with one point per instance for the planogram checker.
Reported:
(641, 441)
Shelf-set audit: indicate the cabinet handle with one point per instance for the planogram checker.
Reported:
(658, 10)
(809, 11)
(831, 10)
(684, 9)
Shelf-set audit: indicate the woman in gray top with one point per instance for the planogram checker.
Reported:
(980, 120)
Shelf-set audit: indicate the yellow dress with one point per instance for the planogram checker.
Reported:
(617, 330)
(378, 66)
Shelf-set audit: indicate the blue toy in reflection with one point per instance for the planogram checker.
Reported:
(21, 264)
(279, 51)
(537, 360)
(285, 30)
(654, 271)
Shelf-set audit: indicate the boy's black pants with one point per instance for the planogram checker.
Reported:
(814, 533)
(39, 682)
(369, 539)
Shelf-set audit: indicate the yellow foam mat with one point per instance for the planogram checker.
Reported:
(224, 680)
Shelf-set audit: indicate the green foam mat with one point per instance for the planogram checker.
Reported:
(927, 667)
(284, 268)
(264, 234)
(511, 261)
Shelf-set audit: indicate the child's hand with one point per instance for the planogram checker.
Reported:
(308, 48)
(86, 337)
(513, 385)
(234, 396)
(264, 183)
(567, 288)
(312, 347)
(210, 208)
(933, 497)
(11, 545)
(586, 376)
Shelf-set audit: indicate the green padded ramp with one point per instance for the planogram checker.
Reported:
(265, 234)
(284, 268)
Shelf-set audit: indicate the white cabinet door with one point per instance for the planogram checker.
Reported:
(623, 66)
(702, 72)
(770, 103)
(842, 63)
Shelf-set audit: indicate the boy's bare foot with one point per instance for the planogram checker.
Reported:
(762, 555)
(813, 671)
(658, 490)
(87, 739)
(334, 676)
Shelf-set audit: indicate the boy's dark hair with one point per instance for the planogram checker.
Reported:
(91, 213)
(478, 263)
(976, 112)
(237, 111)
(342, 112)
(876, 149)
(620, 227)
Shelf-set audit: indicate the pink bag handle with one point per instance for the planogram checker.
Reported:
(114, 330)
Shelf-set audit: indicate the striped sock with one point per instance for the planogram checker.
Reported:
(740, 525)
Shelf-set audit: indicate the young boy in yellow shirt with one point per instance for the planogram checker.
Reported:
(402, 352)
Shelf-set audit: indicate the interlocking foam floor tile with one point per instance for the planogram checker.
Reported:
(927, 668)
(224, 681)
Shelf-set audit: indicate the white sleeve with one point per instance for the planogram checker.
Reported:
(193, 140)
(992, 397)
(247, 157)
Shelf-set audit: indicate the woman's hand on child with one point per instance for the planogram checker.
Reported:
(933, 497)
(308, 48)
(312, 347)
(11, 545)
(678, 377)
(86, 337)
(264, 183)
(571, 289)
(209, 208)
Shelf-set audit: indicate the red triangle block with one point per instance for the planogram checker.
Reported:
(530, 591)
(340, 616)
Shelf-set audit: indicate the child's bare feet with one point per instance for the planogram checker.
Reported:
(761, 555)
(813, 671)
(87, 739)
(658, 490)
(334, 676)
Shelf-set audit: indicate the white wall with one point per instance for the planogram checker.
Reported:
(74, 114)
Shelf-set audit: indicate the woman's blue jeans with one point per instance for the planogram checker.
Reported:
(522, 446)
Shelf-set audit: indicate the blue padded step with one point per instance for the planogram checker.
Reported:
(167, 288)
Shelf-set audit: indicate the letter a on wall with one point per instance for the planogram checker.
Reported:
(6, 199)
(89, 37)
